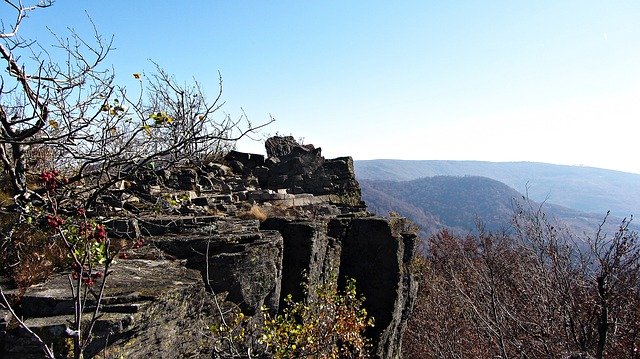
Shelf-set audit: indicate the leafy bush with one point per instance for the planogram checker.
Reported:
(331, 326)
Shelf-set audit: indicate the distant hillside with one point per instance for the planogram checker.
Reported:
(584, 189)
(458, 203)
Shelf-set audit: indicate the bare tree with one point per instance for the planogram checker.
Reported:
(73, 114)
(539, 291)
(614, 271)
(66, 124)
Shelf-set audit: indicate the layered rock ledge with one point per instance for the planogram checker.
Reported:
(207, 254)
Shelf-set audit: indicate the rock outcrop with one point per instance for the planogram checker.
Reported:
(363, 248)
(151, 308)
(208, 254)
(299, 169)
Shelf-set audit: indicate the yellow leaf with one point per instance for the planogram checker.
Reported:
(54, 124)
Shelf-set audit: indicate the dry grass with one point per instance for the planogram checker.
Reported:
(29, 256)
(6, 199)
(255, 212)
(6, 194)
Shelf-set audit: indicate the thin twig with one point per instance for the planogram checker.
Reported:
(47, 351)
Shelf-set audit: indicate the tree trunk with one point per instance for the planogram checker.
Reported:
(19, 171)
(603, 322)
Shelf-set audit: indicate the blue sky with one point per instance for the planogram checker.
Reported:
(545, 81)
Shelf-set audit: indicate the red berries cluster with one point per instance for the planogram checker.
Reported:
(54, 221)
(138, 244)
(88, 279)
(97, 232)
(50, 179)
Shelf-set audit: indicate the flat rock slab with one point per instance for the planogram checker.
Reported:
(132, 280)
(142, 300)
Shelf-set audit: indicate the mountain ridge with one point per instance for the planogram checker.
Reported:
(462, 203)
(586, 189)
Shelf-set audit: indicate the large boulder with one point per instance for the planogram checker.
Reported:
(278, 146)
(243, 163)
(302, 169)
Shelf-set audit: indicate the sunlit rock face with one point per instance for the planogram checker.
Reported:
(220, 238)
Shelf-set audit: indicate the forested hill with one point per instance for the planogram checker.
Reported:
(584, 189)
(460, 202)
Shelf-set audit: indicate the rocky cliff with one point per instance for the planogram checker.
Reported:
(210, 253)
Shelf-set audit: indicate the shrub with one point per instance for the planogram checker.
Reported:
(29, 256)
(537, 293)
(332, 326)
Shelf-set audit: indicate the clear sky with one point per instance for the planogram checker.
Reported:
(545, 81)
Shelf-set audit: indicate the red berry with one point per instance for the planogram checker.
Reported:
(50, 180)
(139, 243)
(54, 221)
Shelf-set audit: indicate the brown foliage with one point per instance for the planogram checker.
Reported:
(29, 256)
(538, 293)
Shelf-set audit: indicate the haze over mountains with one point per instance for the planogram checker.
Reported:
(585, 189)
(437, 194)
